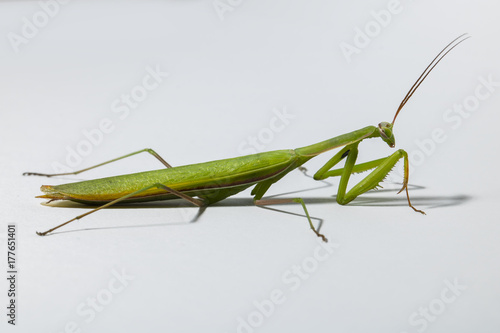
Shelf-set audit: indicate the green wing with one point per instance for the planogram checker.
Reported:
(212, 181)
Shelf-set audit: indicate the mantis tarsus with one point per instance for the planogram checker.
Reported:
(206, 183)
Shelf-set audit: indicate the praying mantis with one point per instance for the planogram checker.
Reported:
(203, 184)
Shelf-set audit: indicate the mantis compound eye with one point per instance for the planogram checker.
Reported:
(386, 134)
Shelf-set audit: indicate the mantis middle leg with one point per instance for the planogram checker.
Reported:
(261, 189)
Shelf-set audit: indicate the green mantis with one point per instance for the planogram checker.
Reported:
(203, 184)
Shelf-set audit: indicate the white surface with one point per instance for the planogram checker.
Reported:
(226, 77)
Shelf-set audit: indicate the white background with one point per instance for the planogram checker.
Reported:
(227, 73)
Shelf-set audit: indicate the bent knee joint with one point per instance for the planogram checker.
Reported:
(343, 201)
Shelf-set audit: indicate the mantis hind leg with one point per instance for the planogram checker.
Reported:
(382, 167)
(148, 150)
(181, 195)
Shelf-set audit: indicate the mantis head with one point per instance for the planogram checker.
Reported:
(385, 129)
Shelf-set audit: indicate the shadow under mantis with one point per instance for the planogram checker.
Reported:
(369, 199)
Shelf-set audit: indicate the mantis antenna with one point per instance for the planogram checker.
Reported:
(429, 68)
